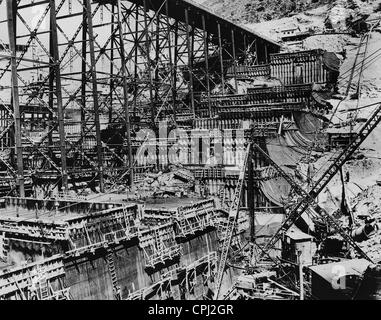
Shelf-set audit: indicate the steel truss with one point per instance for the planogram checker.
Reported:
(115, 65)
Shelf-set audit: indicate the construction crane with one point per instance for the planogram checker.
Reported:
(326, 177)
(232, 220)
(303, 204)
(356, 71)
(320, 211)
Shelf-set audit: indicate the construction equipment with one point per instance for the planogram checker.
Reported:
(326, 177)
(232, 220)
(303, 204)
(320, 211)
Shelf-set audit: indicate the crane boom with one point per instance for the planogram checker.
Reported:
(301, 192)
(326, 177)
(303, 204)
(232, 220)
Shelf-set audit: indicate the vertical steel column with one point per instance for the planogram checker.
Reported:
(256, 52)
(136, 42)
(235, 60)
(250, 194)
(266, 53)
(175, 60)
(301, 275)
(256, 192)
(206, 54)
(125, 94)
(95, 94)
(152, 104)
(51, 89)
(292, 73)
(51, 92)
(172, 70)
(58, 91)
(110, 108)
(190, 62)
(11, 15)
(311, 69)
(157, 56)
(83, 76)
(221, 57)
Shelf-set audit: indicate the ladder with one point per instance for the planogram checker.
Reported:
(301, 192)
(182, 223)
(44, 289)
(232, 220)
(114, 278)
(4, 248)
(326, 177)
(129, 229)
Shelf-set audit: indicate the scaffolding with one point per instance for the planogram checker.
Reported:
(34, 281)
(177, 281)
(195, 218)
(159, 245)
(131, 63)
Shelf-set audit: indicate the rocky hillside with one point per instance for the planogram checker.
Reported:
(252, 11)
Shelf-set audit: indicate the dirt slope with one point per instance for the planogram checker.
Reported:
(252, 11)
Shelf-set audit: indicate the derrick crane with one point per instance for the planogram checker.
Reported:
(303, 204)
(326, 177)
(301, 192)
(232, 220)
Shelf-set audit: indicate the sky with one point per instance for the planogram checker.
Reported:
(66, 29)
(72, 62)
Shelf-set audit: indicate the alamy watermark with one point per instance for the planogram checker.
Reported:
(338, 281)
(205, 147)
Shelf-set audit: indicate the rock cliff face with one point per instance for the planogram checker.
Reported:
(252, 11)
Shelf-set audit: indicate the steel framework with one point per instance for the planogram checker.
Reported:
(91, 73)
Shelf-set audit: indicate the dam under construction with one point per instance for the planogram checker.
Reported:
(156, 150)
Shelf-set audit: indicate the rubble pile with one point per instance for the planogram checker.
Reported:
(177, 182)
(340, 14)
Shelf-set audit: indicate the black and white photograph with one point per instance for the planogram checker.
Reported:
(198, 155)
